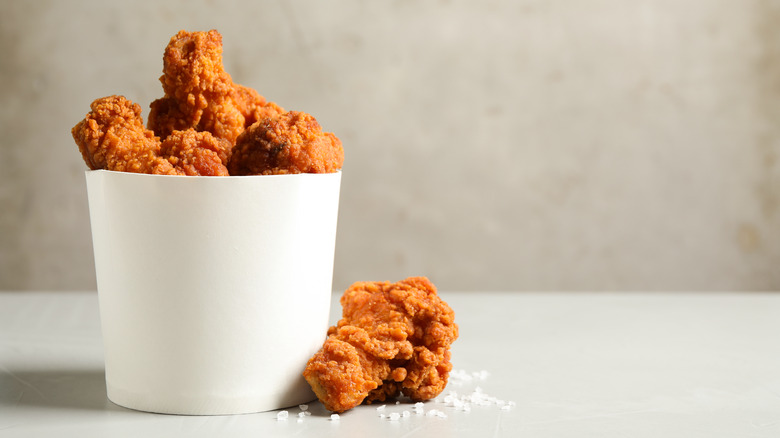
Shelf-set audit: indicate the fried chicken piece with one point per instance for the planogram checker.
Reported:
(197, 153)
(200, 94)
(112, 136)
(253, 106)
(393, 339)
(292, 142)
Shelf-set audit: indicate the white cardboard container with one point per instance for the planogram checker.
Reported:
(214, 291)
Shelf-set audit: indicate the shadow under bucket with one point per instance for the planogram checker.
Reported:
(214, 291)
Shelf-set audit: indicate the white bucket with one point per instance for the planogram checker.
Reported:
(214, 291)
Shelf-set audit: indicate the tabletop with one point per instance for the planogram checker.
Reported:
(525, 364)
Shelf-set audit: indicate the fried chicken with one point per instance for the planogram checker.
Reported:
(393, 339)
(253, 106)
(200, 94)
(292, 142)
(200, 119)
(112, 137)
(197, 153)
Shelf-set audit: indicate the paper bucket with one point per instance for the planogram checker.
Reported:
(213, 291)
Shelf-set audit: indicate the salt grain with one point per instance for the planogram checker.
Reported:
(395, 416)
(303, 407)
(436, 413)
(334, 417)
(282, 415)
(381, 408)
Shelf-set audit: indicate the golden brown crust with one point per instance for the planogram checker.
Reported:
(253, 106)
(200, 94)
(197, 153)
(112, 137)
(341, 375)
(292, 142)
(199, 120)
(393, 339)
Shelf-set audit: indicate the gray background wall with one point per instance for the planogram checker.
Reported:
(514, 145)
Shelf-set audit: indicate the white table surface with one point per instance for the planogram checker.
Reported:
(572, 364)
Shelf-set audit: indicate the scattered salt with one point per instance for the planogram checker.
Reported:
(449, 399)
(459, 402)
(436, 413)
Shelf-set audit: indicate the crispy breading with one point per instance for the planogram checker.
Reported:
(200, 94)
(292, 142)
(112, 137)
(392, 339)
(197, 153)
